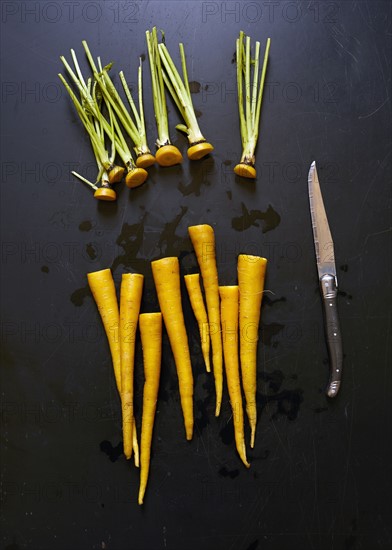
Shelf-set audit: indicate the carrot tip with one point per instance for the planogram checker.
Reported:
(145, 160)
(200, 150)
(105, 194)
(136, 177)
(168, 155)
(252, 438)
(245, 171)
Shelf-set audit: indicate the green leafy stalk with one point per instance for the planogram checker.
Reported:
(249, 107)
(158, 89)
(135, 128)
(179, 90)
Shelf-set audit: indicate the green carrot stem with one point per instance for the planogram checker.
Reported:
(84, 180)
(239, 52)
(183, 101)
(184, 70)
(86, 121)
(77, 68)
(255, 82)
(130, 98)
(142, 126)
(260, 97)
(158, 88)
(89, 56)
(247, 87)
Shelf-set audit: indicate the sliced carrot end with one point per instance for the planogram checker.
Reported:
(200, 150)
(116, 174)
(168, 155)
(136, 177)
(105, 194)
(245, 171)
(145, 160)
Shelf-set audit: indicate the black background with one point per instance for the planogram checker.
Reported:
(320, 470)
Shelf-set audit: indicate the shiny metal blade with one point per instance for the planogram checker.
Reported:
(323, 242)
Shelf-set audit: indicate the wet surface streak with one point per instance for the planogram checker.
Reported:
(78, 296)
(194, 87)
(270, 219)
(169, 243)
(113, 452)
(85, 226)
(91, 252)
(227, 433)
(232, 474)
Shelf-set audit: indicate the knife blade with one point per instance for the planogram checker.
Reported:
(325, 257)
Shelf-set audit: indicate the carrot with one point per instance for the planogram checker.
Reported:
(203, 240)
(102, 287)
(130, 300)
(192, 283)
(229, 317)
(104, 292)
(166, 273)
(251, 275)
(135, 445)
(151, 334)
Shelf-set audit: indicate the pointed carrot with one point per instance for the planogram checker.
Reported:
(135, 445)
(192, 283)
(151, 335)
(203, 240)
(229, 318)
(251, 276)
(130, 300)
(104, 292)
(166, 273)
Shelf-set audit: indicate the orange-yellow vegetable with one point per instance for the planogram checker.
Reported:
(151, 335)
(166, 273)
(192, 283)
(135, 445)
(130, 300)
(229, 319)
(251, 275)
(104, 292)
(203, 240)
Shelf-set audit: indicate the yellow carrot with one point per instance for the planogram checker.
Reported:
(102, 287)
(166, 273)
(203, 240)
(251, 275)
(135, 445)
(229, 319)
(192, 283)
(104, 292)
(151, 335)
(130, 300)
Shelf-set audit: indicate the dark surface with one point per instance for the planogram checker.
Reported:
(320, 470)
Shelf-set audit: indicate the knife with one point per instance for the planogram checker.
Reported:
(325, 257)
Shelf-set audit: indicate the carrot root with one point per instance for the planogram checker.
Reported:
(251, 276)
(192, 283)
(130, 300)
(151, 336)
(203, 240)
(229, 317)
(166, 273)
